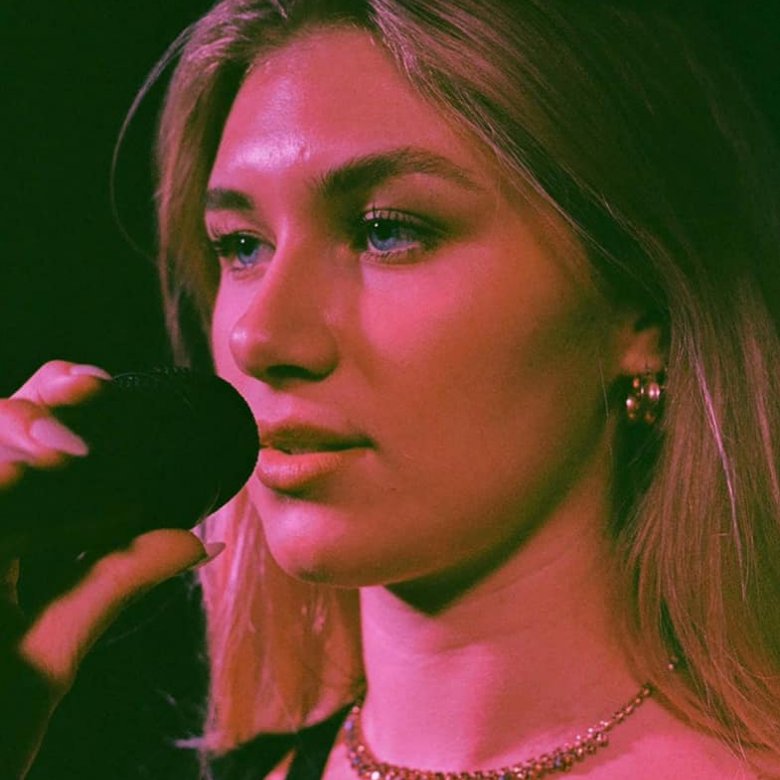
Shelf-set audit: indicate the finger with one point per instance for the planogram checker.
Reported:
(29, 434)
(64, 632)
(60, 383)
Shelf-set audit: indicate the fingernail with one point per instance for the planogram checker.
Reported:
(87, 370)
(212, 550)
(52, 434)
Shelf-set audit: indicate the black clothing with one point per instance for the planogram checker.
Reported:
(257, 758)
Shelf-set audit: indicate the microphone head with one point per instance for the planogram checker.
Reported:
(167, 446)
(210, 427)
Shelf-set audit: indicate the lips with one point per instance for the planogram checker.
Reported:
(296, 456)
(296, 439)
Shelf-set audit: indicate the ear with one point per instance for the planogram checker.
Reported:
(641, 344)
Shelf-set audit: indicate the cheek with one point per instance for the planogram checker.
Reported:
(481, 332)
(225, 314)
(481, 384)
(493, 384)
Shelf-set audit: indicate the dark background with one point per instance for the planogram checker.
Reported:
(72, 287)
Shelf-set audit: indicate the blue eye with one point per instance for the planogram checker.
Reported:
(387, 235)
(394, 233)
(238, 250)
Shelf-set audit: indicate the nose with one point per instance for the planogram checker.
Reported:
(283, 333)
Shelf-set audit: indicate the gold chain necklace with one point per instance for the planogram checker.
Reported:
(368, 767)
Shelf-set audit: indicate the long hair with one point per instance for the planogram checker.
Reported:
(627, 122)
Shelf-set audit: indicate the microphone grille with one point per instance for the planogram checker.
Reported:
(208, 414)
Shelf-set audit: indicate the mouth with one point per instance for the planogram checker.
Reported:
(296, 438)
(293, 458)
(302, 449)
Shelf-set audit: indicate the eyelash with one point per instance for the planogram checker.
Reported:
(425, 236)
(421, 234)
(227, 246)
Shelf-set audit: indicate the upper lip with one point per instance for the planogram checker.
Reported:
(294, 436)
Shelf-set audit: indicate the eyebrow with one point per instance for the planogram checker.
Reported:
(222, 199)
(373, 169)
(356, 174)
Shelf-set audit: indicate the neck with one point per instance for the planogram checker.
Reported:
(515, 666)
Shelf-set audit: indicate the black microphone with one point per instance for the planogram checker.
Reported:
(167, 447)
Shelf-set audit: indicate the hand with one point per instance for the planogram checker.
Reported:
(40, 654)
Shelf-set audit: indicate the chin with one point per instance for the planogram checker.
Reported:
(342, 545)
(352, 563)
(319, 556)
(314, 541)
(313, 548)
(320, 566)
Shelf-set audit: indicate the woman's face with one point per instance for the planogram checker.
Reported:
(424, 361)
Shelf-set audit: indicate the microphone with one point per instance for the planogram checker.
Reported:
(166, 448)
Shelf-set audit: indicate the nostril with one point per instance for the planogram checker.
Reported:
(282, 372)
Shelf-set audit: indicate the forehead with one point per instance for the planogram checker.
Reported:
(326, 96)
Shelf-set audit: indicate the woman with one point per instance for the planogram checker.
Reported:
(499, 283)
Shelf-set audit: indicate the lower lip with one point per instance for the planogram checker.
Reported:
(288, 473)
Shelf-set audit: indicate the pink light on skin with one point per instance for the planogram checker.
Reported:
(453, 353)
(379, 284)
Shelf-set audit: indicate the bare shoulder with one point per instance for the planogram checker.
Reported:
(695, 757)
(670, 748)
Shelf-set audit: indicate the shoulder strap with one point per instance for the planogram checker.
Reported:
(254, 759)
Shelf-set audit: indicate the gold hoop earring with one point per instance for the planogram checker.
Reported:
(645, 398)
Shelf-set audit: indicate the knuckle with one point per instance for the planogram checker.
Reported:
(61, 383)
(22, 408)
(16, 418)
(117, 575)
(48, 373)
(55, 367)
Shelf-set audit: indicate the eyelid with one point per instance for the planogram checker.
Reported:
(376, 212)
(218, 236)
(427, 227)
(222, 224)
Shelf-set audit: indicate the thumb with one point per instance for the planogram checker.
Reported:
(61, 635)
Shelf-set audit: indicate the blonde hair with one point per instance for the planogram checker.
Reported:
(630, 126)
